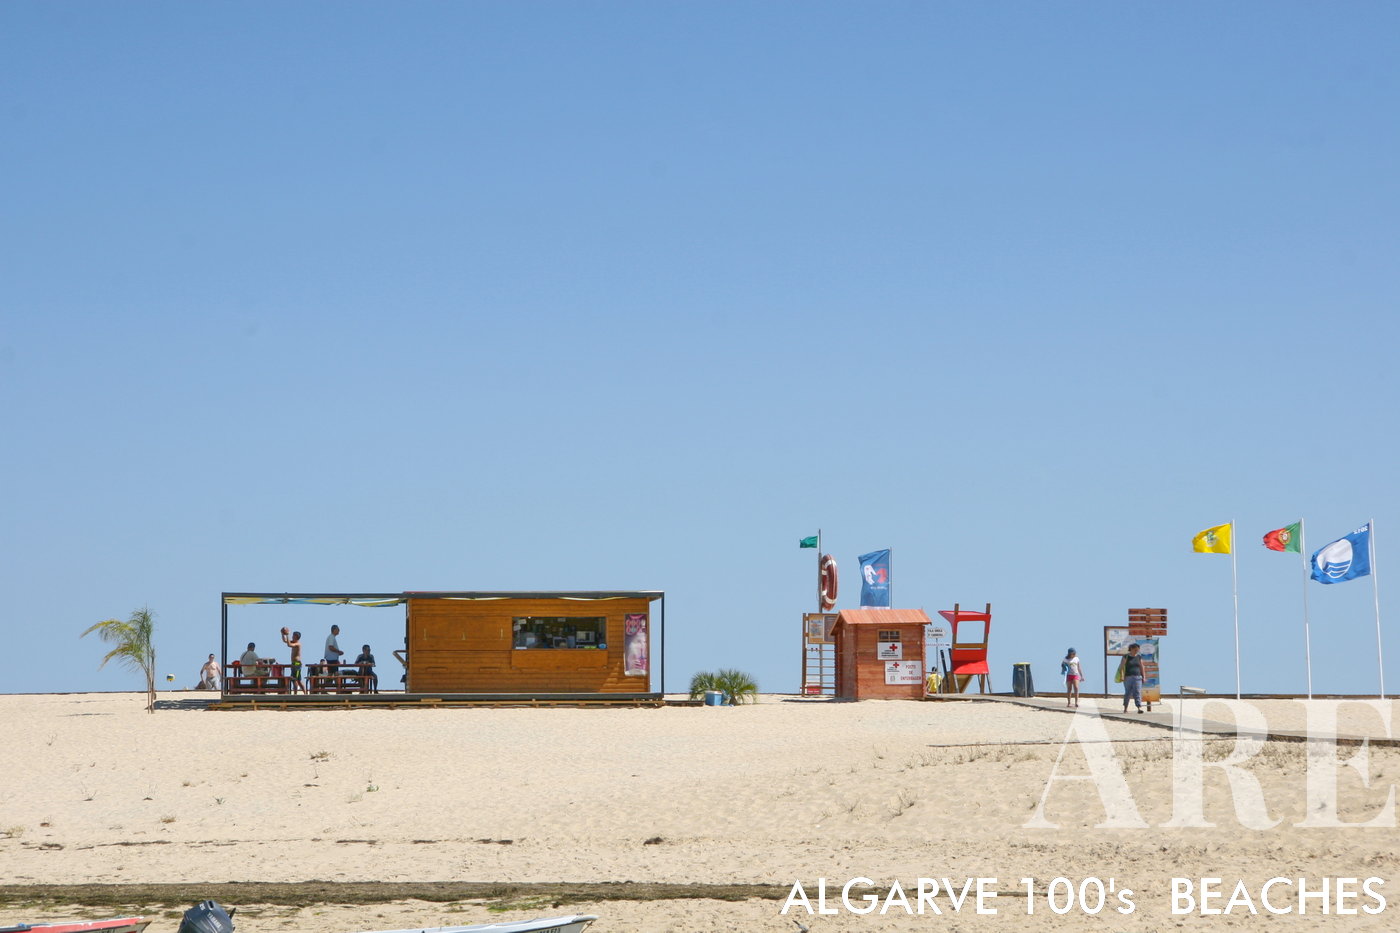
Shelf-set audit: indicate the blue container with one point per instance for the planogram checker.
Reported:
(714, 698)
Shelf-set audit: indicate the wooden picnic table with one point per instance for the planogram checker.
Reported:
(340, 678)
(270, 677)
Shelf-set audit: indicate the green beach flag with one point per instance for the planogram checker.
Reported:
(1283, 539)
(812, 542)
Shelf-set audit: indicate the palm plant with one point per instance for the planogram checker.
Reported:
(134, 646)
(701, 683)
(736, 686)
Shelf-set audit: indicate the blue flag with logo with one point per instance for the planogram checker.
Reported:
(875, 578)
(1344, 559)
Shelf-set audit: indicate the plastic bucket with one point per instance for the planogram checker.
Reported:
(714, 698)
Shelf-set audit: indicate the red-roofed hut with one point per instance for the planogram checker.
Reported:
(880, 654)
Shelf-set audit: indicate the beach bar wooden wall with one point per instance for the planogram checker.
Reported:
(880, 654)
(523, 644)
(510, 644)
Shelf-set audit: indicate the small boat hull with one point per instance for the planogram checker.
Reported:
(572, 924)
(119, 925)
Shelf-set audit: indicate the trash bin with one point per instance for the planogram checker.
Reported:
(1022, 685)
(714, 698)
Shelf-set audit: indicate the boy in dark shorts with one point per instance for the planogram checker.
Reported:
(294, 642)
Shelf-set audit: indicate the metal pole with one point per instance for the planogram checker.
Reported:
(1105, 662)
(1307, 633)
(1376, 594)
(223, 649)
(663, 645)
(1235, 579)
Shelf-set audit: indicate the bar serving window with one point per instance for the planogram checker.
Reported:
(559, 632)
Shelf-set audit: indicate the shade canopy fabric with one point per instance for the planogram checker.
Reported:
(380, 600)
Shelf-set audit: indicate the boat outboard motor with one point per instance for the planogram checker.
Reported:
(207, 917)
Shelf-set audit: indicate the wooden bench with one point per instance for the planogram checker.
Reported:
(258, 685)
(335, 683)
(274, 680)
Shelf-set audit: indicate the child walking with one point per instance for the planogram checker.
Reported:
(1073, 675)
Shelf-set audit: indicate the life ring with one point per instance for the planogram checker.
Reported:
(826, 581)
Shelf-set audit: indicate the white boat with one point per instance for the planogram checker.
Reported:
(572, 924)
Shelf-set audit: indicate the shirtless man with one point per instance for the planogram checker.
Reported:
(294, 642)
(209, 675)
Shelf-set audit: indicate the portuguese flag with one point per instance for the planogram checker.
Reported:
(1283, 539)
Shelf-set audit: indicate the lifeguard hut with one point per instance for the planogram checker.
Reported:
(967, 656)
(880, 653)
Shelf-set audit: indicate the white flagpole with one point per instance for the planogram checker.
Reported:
(1376, 594)
(1235, 579)
(820, 607)
(1307, 574)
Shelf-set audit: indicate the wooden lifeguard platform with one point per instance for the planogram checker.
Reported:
(967, 655)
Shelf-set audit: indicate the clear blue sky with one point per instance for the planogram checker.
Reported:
(386, 296)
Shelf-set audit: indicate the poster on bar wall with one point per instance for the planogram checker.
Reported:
(634, 645)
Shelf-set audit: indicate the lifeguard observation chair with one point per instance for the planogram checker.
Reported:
(971, 632)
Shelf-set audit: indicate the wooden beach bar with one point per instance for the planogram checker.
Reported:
(484, 647)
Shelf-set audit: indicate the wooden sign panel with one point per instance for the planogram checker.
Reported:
(1147, 623)
(817, 627)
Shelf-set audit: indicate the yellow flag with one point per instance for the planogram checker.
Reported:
(1213, 540)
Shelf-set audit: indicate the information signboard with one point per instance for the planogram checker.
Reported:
(818, 627)
(903, 672)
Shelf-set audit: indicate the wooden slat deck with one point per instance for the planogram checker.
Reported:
(398, 700)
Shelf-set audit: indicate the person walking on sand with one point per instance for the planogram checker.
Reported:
(294, 642)
(1131, 669)
(209, 675)
(1073, 675)
(333, 652)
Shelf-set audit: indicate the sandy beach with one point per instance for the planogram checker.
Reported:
(782, 791)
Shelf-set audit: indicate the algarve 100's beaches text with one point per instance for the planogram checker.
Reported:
(1204, 896)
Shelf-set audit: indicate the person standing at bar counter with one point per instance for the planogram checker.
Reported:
(333, 652)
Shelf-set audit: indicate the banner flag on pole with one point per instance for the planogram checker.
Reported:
(808, 542)
(1214, 540)
(875, 579)
(1283, 539)
(1345, 559)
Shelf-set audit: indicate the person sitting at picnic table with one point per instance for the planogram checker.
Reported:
(209, 675)
(366, 663)
(249, 662)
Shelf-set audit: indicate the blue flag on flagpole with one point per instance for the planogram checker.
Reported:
(1345, 559)
(875, 579)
